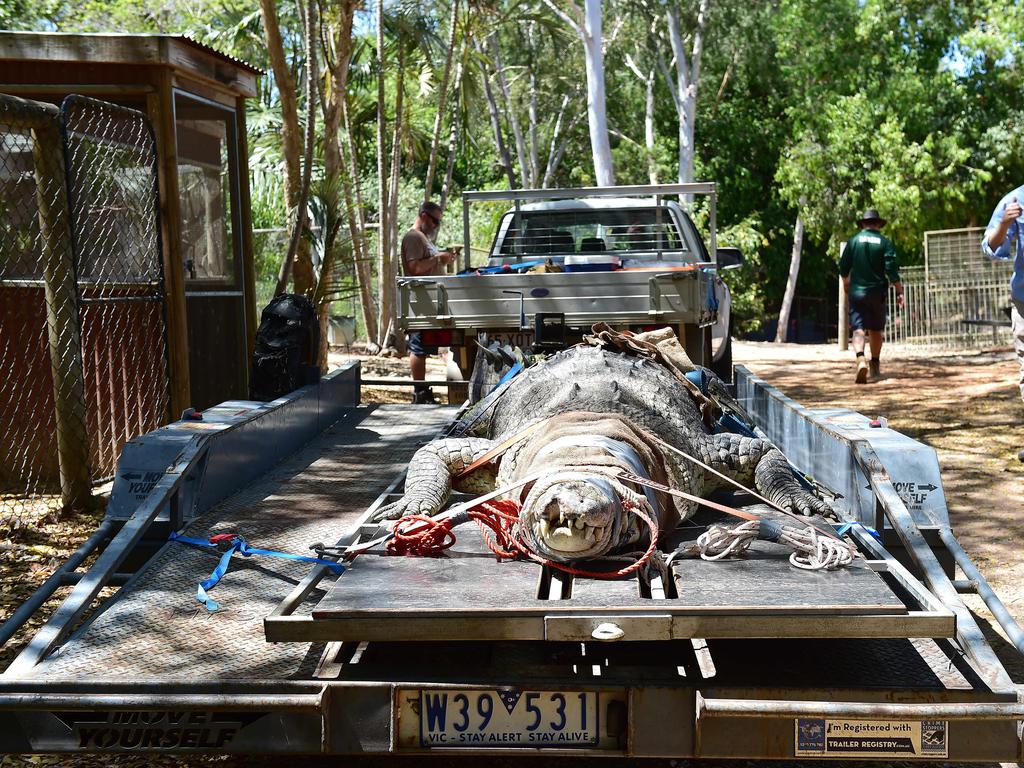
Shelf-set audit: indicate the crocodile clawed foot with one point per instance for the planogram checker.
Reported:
(407, 505)
(802, 502)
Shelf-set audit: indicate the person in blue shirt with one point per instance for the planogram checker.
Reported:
(1003, 241)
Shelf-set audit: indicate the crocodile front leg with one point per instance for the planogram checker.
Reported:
(751, 460)
(428, 483)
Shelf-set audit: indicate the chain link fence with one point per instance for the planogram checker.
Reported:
(82, 331)
(114, 202)
(957, 299)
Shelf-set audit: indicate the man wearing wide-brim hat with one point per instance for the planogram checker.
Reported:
(868, 265)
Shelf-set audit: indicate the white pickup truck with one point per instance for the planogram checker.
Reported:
(562, 260)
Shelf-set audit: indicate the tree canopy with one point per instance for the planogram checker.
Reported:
(797, 109)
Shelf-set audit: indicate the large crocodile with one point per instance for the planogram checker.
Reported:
(601, 411)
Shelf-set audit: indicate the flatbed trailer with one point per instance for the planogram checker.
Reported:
(463, 655)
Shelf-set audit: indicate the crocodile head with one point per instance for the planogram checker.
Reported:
(573, 516)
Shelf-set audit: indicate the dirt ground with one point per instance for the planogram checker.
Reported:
(966, 407)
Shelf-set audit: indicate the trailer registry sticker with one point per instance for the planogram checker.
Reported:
(817, 737)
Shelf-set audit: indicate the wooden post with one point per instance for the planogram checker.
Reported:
(62, 327)
(844, 310)
(247, 256)
(161, 113)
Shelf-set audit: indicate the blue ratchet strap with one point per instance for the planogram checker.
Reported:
(712, 296)
(731, 423)
(238, 544)
(843, 529)
(511, 373)
(503, 268)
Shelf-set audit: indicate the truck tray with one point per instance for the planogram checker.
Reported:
(468, 595)
(503, 301)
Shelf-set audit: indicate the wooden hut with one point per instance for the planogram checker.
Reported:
(194, 98)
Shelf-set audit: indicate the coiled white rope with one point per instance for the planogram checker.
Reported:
(811, 551)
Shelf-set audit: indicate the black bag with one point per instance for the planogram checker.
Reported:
(287, 343)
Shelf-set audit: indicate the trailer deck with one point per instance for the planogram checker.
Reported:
(155, 628)
(467, 595)
(730, 659)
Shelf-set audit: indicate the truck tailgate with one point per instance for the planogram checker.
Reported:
(502, 301)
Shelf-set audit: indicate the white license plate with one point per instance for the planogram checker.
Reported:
(521, 339)
(502, 719)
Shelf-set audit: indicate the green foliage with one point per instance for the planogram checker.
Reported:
(826, 107)
(747, 283)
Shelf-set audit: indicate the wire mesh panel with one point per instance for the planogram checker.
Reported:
(42, 454)
(113, 197)
(957, 300)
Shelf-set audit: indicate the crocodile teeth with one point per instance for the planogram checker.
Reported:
(544, 529)
(580, 524)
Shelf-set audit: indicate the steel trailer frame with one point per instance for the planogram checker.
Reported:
(673, 700)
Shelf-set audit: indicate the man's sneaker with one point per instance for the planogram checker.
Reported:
(875, 368)
(424, 397)
(862, 371)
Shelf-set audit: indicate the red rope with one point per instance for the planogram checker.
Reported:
(422, 536)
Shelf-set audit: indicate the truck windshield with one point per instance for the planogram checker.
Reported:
(560, 233)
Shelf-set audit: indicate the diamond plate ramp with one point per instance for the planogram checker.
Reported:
(155, 628)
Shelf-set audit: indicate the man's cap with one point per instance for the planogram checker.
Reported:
(871, 215)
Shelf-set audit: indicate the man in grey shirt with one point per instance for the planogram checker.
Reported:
(420, 258)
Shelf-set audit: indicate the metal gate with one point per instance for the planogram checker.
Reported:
(83, 351)
(113, 197)
(958, 299)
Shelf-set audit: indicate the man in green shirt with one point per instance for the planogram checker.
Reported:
(867, 267)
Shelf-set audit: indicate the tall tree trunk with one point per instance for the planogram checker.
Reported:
(339, 157)
(534, 179)
(649, 135)
(435, 142)
(361, 254)
(499, 141)
(509, 108)
(291, 144)
(782, 332)
(555, 159)
(357, 223)
(387, 282)
(555, 131)
(686, 81)
(596, 114)
(453, 140)
(384, 228)
(588, 27)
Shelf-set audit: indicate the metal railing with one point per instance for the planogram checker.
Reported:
(956, 300)
(82, 330)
